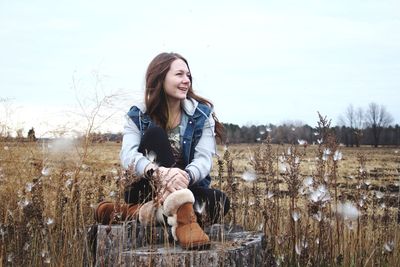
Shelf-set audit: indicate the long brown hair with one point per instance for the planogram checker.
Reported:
(155, 98)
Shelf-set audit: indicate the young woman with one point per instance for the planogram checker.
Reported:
(177, 128)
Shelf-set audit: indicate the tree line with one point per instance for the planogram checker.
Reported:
(305, 134)
(279, 134)
(356, 126)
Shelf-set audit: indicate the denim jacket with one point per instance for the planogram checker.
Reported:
(197, 140)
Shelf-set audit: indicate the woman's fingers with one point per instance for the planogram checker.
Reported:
(172, 179)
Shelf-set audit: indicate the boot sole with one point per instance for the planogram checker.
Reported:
(199, 246)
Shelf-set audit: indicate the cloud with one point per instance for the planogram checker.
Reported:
(289, 59)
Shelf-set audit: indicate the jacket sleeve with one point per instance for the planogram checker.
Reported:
(205, 149)
(129, 155)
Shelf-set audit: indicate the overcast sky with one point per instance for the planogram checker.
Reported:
(259, 62)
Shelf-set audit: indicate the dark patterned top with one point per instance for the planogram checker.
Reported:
(174, 138)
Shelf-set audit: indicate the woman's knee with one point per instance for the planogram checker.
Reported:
(155, 133)
(155, 139)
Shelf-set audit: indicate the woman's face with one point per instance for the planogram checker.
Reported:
(177, 82)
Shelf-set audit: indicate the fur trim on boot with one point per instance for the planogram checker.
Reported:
(177, 199)
(178, 206)
(150, 213)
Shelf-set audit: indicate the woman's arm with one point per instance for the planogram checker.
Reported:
(129, 155)
(201, 164)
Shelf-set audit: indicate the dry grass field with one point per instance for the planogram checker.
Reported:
(321, 205)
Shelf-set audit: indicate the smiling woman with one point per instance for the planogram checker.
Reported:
(179, 128)
(177, 81)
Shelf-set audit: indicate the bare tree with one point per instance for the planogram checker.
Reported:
(20, 134)
(350, 116)
(358, 125)
(353, 119)
(31, 134)
(6, 111)
(377, 118)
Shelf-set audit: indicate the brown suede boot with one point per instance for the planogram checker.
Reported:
(188, 231)
(105, 212)
(178, 206)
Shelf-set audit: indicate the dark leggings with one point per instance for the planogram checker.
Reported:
(155, 139)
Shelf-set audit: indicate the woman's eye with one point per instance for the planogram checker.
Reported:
(182, 74)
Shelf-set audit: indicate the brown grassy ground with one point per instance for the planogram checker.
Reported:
(48, 191)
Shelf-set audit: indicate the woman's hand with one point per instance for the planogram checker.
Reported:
(172, 179)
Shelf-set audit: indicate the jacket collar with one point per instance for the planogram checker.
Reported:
(189, 106)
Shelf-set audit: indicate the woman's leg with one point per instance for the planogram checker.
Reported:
(156, 140)
(139, 192)
(216, 202)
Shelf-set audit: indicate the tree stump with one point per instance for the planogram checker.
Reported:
(130, 244)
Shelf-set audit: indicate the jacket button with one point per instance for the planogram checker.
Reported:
(184, 142)
(190, 122)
